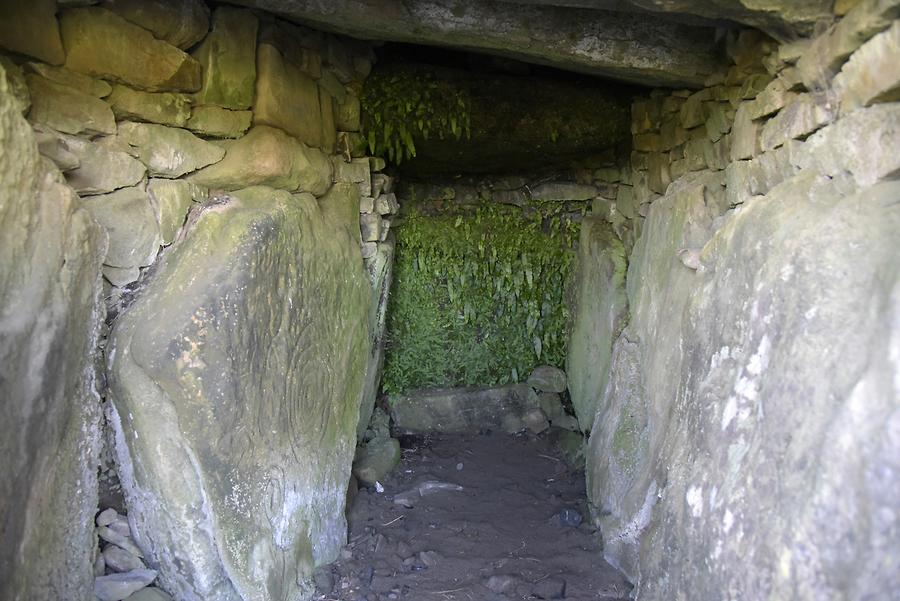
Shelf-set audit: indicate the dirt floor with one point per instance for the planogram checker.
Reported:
(513, 531)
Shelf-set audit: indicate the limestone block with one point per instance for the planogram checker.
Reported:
(745, 135)
(103, 44)
(370, 227)
(828, 51)
(696, 153)
(718, 121)
(672, 134)
(368, 250)
(31, 28)
(166, 108)
(873, 72)
(718, 155)
(382, 183)
(692, 112)
(462, 409)
(376, 164)
(772, 99)
(366, 204)
(216, 122)
(171, 199)
(66, 109)
(331, 83)
(100, 169)
(50, 287)
(658, 172)
(558, 191)
(286, 97)
(546, 378)
(649, 142)
(169, 151)
(263, 307)
(228, 56)
(51, 144)
(386, 204)
(348, 112)
(181, 23)
(864, 143)
(341, 205)
(16, 85)
(385, 230)
(268, 156)
(378, 457)
(797, 120)
(646, 114)
(352, 144)
(356, 172)
(759, 176)
(600, 313)
(130, 222)
(625, 201)
(71, 79)
(297, 45)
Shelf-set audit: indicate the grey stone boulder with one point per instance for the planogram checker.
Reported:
(103, 44)
(101, 170)
(263, 307)
(376, 459)
(216, 122)
(50, 289)
(181, 23)
(166, 108)
(268, 156)
(463, 409)
(228, 57)
(66, 109)
(31, 28)
(599, 312)
(71, 79)
(546, 378)
(116, 587)
(169, 151)
(130, 223)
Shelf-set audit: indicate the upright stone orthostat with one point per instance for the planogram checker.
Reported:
(236, 379)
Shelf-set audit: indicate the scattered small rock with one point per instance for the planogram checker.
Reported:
(120, 560)
(118, 539)
(107, 517)
(550, 588)
(547, 378)
(569, 518)
(501, 583)
(116, 587)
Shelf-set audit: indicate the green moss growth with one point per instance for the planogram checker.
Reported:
(478, 298)
(400, 106)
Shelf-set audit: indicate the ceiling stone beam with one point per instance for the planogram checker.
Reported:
(637, 48)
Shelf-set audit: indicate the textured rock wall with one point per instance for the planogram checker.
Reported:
(50, 314)
(160, 115)
(746, 441)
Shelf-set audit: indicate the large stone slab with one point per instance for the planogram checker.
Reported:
(169, 151)
(216, 122)
(236, 378)
(103, 44)
(599, 310)
(31, 28)
(67, 109)
(101, 169)
(228, 56)
(286, 97)
(166, 108)
(49, 323)
(873, 72)
(753, 405)
(464, 409)
(130, 223)
(641, 48)
(72, 79)
(268, 156)
(181, 23)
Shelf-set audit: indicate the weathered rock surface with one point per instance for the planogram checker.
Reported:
(599, 311)
(268, 156)
(376, 459)
(116, 587)
(752, 405)
(380, 268)
(216, 122)
(228, 57)
(181, 23)
(169, 151)
(100, 170)
(642, 49)
(546, 378)
(130, 223)
(49, 433)
(31, 28)
(103, 44)
(171, 200)
(264, 306)
(287, 98)
(67, 109)
(463, 409)
(72, 79)
(166, 108)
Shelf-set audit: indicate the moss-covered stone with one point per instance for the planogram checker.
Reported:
(67, 109)
(228, 57)
(165, 108)
(236, 378)
(181, 23)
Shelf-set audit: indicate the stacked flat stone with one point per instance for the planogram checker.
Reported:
(377, 203)
(119, 568)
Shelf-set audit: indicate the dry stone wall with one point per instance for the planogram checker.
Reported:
(745, 440)
(175, 142)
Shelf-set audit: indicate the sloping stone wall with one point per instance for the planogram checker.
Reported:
(745, 443)
(220, 147)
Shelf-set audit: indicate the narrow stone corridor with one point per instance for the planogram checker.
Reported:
(498, 517)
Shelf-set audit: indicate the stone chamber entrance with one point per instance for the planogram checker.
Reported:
(449, 300)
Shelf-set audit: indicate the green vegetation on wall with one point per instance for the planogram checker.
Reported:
(400, 106)
(478, 298)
